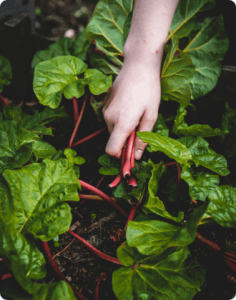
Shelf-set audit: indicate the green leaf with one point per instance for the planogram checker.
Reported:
(176, 75)
(201, 183)
(222, 205)
(204, 156)
(66, 44)
(99, 83)
(167, 145)
(107, 23)
(174, 276)
(42, 149)
(127, 26)
(5, 72)
(80, 45)
(153, 237)
(44, 55)
(154, 204)
(109, 165)
(72, 158)
(57, 76)
(38, 192)
(160, 126)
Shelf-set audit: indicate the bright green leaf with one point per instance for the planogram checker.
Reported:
(5, 72)
(99, 83)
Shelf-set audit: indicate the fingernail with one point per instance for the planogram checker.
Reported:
(138, 154)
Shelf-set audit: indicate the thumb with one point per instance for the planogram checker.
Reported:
(146, 124)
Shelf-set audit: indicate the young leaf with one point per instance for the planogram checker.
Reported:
(154, 204)
(222, 206)
(160, 126)
(204, 156)
(38, 206)
(153, 237)
(57, 76)
(107, 23)
(80, 45)
(169, 146)
(201, 183)
(72, 158)
(109, 165)
(176, 75)
(5, 72)
(99, 82)
(173, 276)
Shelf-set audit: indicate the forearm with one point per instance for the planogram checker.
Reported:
(149, 29)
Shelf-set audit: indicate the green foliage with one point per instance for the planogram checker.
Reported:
(109, 165)
(5, 72)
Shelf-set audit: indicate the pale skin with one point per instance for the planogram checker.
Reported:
(134, 98)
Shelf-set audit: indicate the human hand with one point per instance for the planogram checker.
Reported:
(133, 100)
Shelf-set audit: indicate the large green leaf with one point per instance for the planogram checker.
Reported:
(174, 276)
(57, 76)
(38, 192)
(222, 206)
(99, 82)
(204, 156)
(5, 72)
(51, 291)
(201, 183)
(169, 146)
(154, 204)
(42, 149)
(107, 23)
(176, 75)
(153, 237)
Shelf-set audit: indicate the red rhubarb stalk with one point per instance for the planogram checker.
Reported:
(226, 177)
(208, 242)
(101, 277)
(78, 122)
(6, 276)
(171, 163)
(76, 110)
(119, 177)
(58, 272)
(90, 197)
(129, 149)
(4, 102)
(132, 180)
(103, 196)
(88, 137)
(94, 250)
(132, 213)
(230, 264)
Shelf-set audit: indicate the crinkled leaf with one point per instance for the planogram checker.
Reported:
(107, 23)
(38, 192)
(176, 75)
(167, 145)
(204, 156)
(57, 76)
(42, 149)
(72, 158)
(154, 204)
(99, 82)
(5, 72)
(153, 237)
(222, 205)
(80, 45)
(176, 276)
(201, 183)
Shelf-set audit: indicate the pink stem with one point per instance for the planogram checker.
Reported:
(230, 264)
(226, 177)
(78, 122)
(56, 269)
(132, 213)
(6, 276)
(94, 250)
(4, 102)
(129, 149)
(116, 181)
(76, 110)
(88, 137)
(208, 242)
(171, 163)
(90, 197)
(103, 196)
(132, 181)
(179, 176)
(98, 280)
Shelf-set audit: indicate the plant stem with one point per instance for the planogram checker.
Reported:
(132, 213)
(64, 248)
(226, 177)
(4, 102)
(132, 180)
(101, 277)
(103, 196)
(119, 177)
(90, 197)
(129, 149)
(6, 276)
(76, 110)
(171, 163)
(78, 122)
(179, 176)
(88, 137)
(230, 264)
(94, 250)
(58, 272)
(208, 242)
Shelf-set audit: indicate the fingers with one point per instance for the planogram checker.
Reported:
(146, 124)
